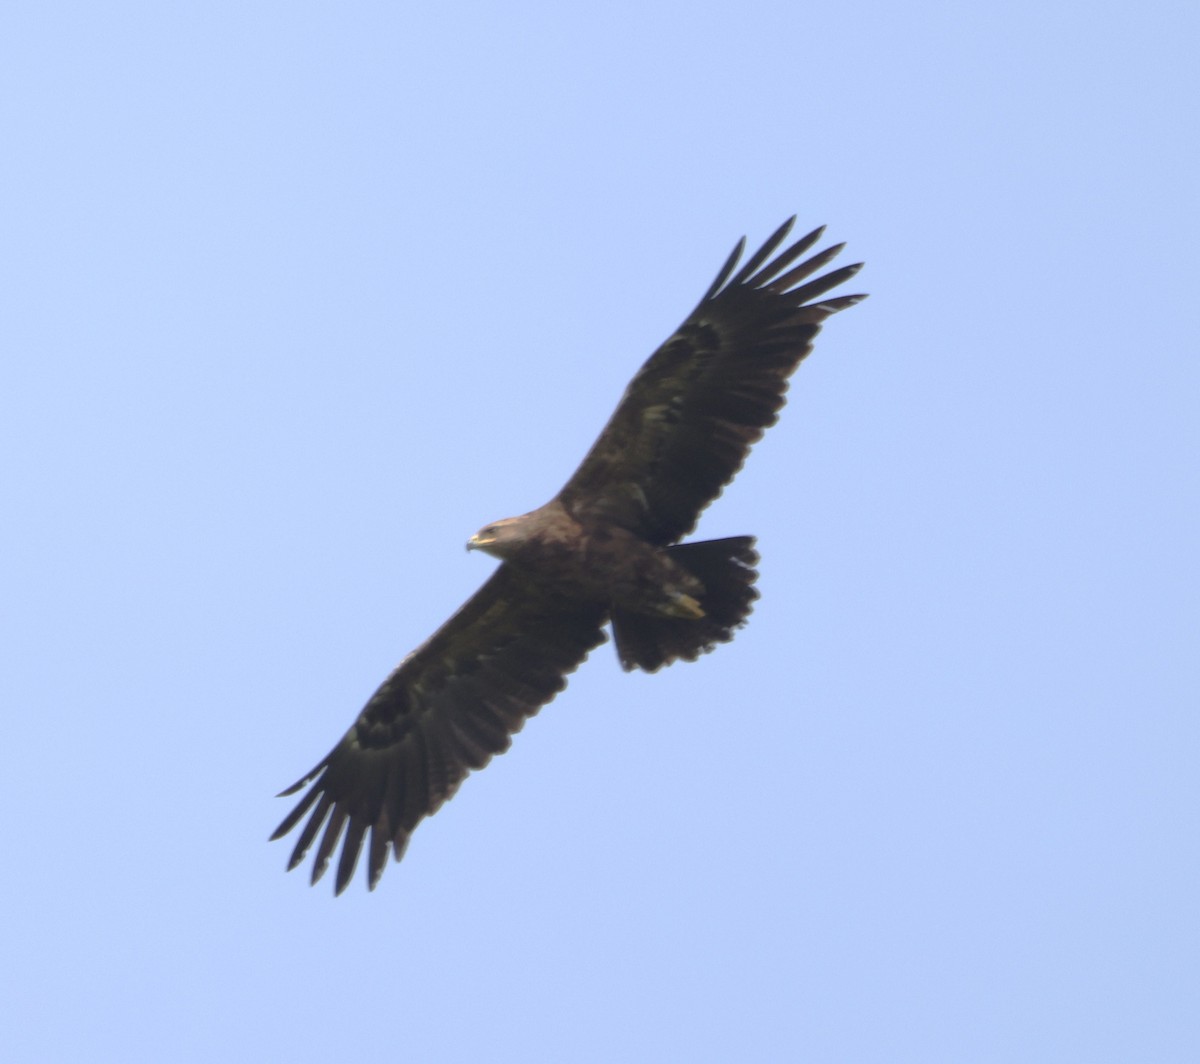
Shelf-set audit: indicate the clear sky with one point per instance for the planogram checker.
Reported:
(296, 296)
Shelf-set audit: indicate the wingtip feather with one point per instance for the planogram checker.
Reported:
(725, 271)
(763, 253)
(329, 841)
(293, 818)
(351, 849)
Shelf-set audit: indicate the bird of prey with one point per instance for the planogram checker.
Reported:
(605, 550)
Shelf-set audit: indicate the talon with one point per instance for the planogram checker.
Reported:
(686, 606)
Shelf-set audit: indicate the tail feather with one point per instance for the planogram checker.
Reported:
(726, 569)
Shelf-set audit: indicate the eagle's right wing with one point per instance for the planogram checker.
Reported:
(444, 711)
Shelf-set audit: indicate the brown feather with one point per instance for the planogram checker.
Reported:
(689, 417)
(446, 710)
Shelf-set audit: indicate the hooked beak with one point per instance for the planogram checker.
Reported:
(484, 540)
(480, 542)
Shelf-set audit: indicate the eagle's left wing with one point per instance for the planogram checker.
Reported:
(445, 710)
(689, 417)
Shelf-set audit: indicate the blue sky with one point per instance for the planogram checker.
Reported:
(296, 297)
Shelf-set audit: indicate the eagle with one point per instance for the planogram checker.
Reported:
(605, 551)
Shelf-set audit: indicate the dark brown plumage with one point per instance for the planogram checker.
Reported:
(605, 549)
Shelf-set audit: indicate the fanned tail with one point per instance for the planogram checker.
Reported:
(726, 569)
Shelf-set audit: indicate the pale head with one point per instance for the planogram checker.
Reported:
(501, 539)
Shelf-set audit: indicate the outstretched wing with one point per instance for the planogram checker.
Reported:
(445, 710)
(689, 417)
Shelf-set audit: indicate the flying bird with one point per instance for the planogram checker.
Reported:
(605, 550)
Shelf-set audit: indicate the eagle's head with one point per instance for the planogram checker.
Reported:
(501, 539)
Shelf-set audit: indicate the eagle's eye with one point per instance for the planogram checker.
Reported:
(491, 530)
